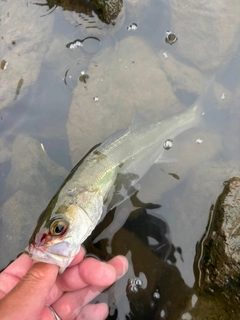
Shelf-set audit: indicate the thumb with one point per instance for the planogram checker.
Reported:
(28, 297)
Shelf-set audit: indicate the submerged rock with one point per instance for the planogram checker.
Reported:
(18, 217)
(108, 10)
(136, 72)
(24, 40)
(220, 264)
(32, 181)
(203, 37)
(36, 173)
(5, 150)
(94, 17)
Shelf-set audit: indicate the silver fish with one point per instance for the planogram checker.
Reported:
(98, 183)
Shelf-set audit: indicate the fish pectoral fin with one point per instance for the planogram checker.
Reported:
(124, 187)
(118, 198)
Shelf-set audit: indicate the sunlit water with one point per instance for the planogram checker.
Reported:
(88, 85)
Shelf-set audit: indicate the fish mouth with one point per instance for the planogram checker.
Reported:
(43, 255)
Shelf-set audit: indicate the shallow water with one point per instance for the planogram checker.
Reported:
(50, 120)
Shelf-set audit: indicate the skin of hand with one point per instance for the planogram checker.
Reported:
(27, 288)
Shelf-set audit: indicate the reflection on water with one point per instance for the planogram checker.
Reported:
(44, 102)
(152, 283)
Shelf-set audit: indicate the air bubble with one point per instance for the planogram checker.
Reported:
(168, 144)
(162, 313)
(134, 289)
(171, 38)
(134, 284)
(74, 44)
(156, 295)
(199, 141)
(138, 282)
(133, 26)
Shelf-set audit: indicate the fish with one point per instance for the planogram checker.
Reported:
(103, 179)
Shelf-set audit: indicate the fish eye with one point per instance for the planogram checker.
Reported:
(58, 227)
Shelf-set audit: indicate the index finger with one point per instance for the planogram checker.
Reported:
(14, 273)
(19, 267)
(89, 272)
(74, 278)
(78, 258)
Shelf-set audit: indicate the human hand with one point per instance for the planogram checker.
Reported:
(28, 288)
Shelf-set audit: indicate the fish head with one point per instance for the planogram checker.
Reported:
(57, 238)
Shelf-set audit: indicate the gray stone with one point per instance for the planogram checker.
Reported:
(182, 76)
(97, 17)
(25, 37)
(203, 37)
(5, 153)
(221, 249)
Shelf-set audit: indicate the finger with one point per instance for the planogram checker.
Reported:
(97, 311)
(69, 305)
(57, 289)
(120, 263)
(89, 271)
(34, 288)
(20, 266)
(79, 257)
(105, 273)
(13, 273)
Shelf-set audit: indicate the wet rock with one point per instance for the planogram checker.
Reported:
(24, 40)
(210, 306)
(220, 264)
(131, 67)
(189, 204)
(36, 173)
(97, 17)
(108, 10)
(203, 38)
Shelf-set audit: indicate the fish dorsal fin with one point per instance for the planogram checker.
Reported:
(138, 119)
(112, 138)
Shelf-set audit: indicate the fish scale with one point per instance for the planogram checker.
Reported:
(103, 179)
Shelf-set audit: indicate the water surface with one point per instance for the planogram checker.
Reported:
(49, 120)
